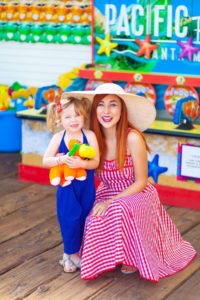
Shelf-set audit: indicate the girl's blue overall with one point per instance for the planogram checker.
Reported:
(74, 203)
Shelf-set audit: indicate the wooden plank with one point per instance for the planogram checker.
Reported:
(29, 244)
(190, 290)
(26, 278)
(32, 230)
(184, 218)
(118, 286)
(133, 287)
(75, 288)
(9, 159)
(24, 197)
(12, 185)
(9, 163)
(26, 218)
(7, 173)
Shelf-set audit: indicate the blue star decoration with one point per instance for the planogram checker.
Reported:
(154, 170)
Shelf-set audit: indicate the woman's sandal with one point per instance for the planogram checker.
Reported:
(68, 265)
(125, 270)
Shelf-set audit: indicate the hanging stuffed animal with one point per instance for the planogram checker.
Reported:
(63, 174)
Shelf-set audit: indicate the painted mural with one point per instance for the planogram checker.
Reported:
(149, 36)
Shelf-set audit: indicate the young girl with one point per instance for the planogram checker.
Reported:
(75, 200)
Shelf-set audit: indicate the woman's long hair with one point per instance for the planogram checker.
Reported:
(123, 126)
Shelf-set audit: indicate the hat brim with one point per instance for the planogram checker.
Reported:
(141, 111)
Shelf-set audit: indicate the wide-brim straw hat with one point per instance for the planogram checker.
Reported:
(141, 111)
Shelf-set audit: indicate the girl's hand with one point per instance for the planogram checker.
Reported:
(60, 154)
(100, 209)
(73, 162)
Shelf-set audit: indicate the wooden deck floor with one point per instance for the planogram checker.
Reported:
(30, 247)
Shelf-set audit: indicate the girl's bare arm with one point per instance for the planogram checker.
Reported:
(49, 158)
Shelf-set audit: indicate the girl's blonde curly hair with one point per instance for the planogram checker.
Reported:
(82, 107)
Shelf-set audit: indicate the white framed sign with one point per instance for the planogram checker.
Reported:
(190, 161)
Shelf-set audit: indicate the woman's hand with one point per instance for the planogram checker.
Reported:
(73, 162)
(100, 209)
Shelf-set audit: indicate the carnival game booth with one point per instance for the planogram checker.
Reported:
(151, 50)
(35, 38)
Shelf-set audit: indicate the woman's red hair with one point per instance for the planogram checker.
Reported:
(121, 132)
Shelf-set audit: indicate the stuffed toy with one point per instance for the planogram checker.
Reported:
(63, 174)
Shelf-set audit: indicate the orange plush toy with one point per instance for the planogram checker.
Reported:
(63, 174)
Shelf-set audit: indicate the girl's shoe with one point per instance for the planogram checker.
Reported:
(68, 265)
(76, 261)
(128, 270)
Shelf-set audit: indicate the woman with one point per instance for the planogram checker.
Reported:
(128, 225)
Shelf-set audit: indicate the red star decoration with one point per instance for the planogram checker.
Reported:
(145, 47)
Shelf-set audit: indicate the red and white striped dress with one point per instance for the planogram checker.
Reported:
(135, 231)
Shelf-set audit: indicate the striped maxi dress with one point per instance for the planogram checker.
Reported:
(135, 231)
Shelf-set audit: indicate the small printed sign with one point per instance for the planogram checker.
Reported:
(189, 162)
